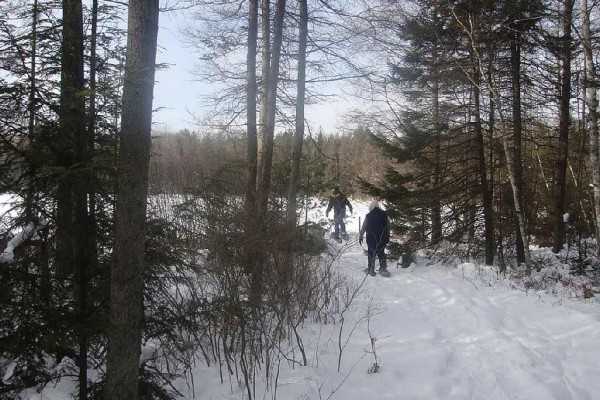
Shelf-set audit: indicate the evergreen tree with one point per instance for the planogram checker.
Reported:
(416, 189)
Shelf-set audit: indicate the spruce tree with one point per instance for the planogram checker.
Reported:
(415, 188)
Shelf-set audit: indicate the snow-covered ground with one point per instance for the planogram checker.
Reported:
(436, 332)
(439, 333)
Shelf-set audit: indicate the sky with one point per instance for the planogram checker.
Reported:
(452, 332)
(179, 95)
(176, 92)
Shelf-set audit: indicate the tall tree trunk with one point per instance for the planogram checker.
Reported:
(517, 202)
(126, 296)
(31, 194)
(486, 196)
(85, 206)
(492, 128)
(72, 214)
(436, 209)
(251, 225)
(266, 158)
(515, 60)
(251, 95)
(30, 201)
(300, 100)
(71, 131)
(592, 104)
(91, 131)
(264, 80)
(269, 132)
(563, 130)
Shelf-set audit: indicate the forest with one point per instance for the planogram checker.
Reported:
(131, 253)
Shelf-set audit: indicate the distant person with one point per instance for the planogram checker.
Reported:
(338, 201)
(377, 229)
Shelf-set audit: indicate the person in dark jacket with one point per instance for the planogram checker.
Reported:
(376, 227)
(338, 202)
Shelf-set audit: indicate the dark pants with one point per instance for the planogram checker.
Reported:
(380, 253)
(339, 224)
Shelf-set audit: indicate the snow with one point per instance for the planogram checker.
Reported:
(438, 333)
(440, 336)
(434, 332)
(8, 254)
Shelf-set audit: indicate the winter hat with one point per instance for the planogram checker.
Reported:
(374, 204)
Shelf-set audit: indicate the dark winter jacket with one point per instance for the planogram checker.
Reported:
(339, 204)
(377, 228)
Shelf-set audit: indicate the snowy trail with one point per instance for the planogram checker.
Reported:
(441, 333)
(444, 335)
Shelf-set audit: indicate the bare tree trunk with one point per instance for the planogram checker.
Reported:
(31, 194)
(436, 209)
(30, 201)
(266, 157)
(592, 103)
(72, 214)
(251, 225)
(72, 130)
(563, 130)
(251, 95)
(492, 128)
(91, 132)
(126, 297)
(517, 167)
(488, 214)
(264, 80)
(300, 100)
(269, 132)
(517, 202)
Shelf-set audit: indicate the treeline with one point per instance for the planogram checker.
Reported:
(184, 161)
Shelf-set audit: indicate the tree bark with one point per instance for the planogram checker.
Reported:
(126, 297)
(515, 60)
(436, 209)
(269, 132)
(486, 196)
(264, 80)
(592, 104)
(72, 215)
(252, 144)
(563, 130)
(91, 132)
(71, 132)
(251, 95)
(518, 206)
(300, 101)
(31, 196)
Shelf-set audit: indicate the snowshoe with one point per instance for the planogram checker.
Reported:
(344, 236)
(385, 273)
(369, 272)
(336, 238)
